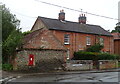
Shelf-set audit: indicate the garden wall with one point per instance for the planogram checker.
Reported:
(88, 64)
(79, 65)
(43, 60)
(108, 64)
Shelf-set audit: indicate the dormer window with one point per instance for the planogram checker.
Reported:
(66, 39)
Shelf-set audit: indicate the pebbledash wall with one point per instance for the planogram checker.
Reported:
(43, 59)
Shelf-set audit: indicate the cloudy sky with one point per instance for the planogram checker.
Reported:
(28, 10)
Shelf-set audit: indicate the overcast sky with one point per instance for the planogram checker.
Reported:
(28, 10)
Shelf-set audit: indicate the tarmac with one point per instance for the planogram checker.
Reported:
(5, 75)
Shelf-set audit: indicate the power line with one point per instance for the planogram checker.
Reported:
(23, 14)
(76, 10)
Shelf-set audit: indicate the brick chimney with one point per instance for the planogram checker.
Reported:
(61, 15)
(82, 19)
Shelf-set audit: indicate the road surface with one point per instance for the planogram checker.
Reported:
(85, 77)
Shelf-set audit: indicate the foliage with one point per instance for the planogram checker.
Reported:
(11, 43)
(107, 56)
(11, 35)
(82, 55)
(26, 32)
(117, 29)
(118, 64)
(95, 48)
(7, 67)
(9, 23)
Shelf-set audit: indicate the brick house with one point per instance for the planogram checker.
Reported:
(75, 36)
(59, 38)
(116, 43)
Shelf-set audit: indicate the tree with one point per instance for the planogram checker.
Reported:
(11, 35)
(117, 28)
(9, 23)
(13, 41)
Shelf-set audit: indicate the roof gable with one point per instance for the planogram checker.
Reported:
(55, 24)
(42, 39)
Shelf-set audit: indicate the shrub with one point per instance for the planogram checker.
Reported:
(82, 55)
(107, 56)
(26, 33)
(95, 48)
(7, 67)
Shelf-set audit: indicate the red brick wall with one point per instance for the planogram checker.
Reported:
(42, 39)
(78, 41)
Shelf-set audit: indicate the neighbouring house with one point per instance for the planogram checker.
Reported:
(116, 43)
(59, 39)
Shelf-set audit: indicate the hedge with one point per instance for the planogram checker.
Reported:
(82, 55)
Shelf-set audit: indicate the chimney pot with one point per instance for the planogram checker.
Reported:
(61, 15)
(84, 15)
(82, 19)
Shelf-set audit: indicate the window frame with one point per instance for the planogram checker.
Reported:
(66, 39)
(88, 40)
(101, 41)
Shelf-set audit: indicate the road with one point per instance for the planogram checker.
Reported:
(85, 77)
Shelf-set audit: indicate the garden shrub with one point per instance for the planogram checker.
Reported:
(7, 67)
(82, 55)
(106, 56)
(95, 48)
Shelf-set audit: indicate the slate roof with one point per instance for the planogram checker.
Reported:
(55, 24)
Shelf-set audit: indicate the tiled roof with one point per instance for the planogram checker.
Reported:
(55, 24)
(116, 35)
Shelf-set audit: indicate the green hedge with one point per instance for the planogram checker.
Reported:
(82, 55)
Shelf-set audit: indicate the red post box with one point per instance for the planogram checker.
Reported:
(31, 60)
